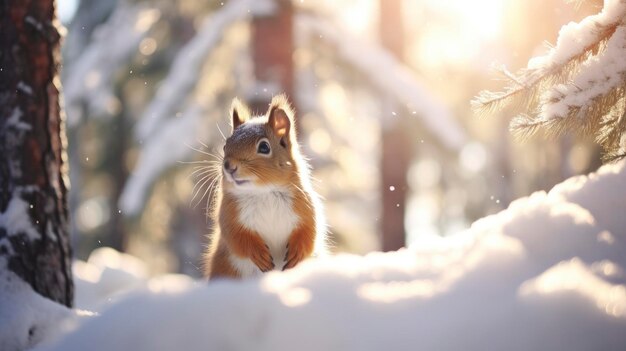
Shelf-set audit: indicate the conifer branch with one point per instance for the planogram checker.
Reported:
(572, 89)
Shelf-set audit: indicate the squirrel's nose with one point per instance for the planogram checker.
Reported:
(229, 168)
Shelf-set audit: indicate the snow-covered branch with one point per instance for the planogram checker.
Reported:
(578, 85)
(577, 38)
(575, 43)
(163, 150)
(597, 77)
(184, 74)
(389, 76)
(90, 80)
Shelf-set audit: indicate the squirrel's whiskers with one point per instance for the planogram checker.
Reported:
(206, 176)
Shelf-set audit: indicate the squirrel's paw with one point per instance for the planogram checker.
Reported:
(294, 255)
(263, 259)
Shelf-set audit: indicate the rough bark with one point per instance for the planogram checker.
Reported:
(396, 147)
(34, 240)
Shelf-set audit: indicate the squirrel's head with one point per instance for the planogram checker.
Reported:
(261, 151)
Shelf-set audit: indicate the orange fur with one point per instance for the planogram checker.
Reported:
(302, 240)
(284, 168)
(220, 266)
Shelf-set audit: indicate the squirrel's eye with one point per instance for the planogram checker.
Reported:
(263, 148)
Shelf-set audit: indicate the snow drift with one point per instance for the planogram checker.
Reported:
(547, 273)
(27, 318)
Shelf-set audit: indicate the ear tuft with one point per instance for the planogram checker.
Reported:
(280, 115)
(239, 113)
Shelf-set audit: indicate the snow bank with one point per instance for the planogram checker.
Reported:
(108, 276)
(27, 318)
(548, 273)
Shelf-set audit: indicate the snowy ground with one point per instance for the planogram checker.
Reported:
(548, 273)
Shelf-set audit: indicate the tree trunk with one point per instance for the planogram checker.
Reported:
(34, 240)
(118, 145)
(272, 50)
(396, 148)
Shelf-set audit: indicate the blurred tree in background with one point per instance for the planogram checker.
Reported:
(395, 144)
(387, 126)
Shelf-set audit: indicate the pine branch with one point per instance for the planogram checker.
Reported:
(594, 84)
(523, 91)
(610, 158)
(605, 117)
(524, 126)
(579, 86)
(612, 133)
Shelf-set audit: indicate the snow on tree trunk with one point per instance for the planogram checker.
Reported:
(34, 242)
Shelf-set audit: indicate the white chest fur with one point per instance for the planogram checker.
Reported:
(270, 214)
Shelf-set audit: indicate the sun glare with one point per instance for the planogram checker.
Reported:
(481, 18)
(454, 31)
(442, 32)
(358, 16)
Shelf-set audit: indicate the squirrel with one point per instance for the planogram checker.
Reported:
(267, 215)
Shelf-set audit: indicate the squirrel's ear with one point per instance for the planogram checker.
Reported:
(280, 116)
(239, 113)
